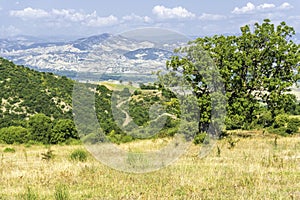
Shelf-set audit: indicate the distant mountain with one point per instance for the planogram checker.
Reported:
(103, 53)
(136, 53)
(148, 54)
(88, 43)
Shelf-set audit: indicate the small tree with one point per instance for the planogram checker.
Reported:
(40, 128)
(63, 130)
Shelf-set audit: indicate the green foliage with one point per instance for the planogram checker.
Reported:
(9, 150)
(61, 192)
(112, 105)
(14, 134)
(283, 125)
(265, 118)
(280, 121)
(79, 155)
(260, 65)
(93, 138)
(40, 128)
(41, 97)
(63, 130)
(200, 138)
(24, 92)
(103, 104)
(293, 125)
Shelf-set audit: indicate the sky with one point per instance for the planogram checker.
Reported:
(79, 18)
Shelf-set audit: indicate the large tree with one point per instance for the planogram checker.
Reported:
(258, 66)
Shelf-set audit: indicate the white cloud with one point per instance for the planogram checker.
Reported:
(250, 7)
(212, 17)
(265, 6)
(71, 15)
(63, 16)
(29, 13)
(102, 21)
(285, 6)
(172, 13)
(137, 18)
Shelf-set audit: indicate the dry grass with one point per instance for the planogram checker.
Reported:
(255, 168)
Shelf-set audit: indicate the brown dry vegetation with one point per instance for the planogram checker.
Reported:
(255, 168)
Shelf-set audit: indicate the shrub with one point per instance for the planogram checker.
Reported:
(94, 138)
(280, 120)
(126, 138)
(137, 92)
(200, 138)
(293, 126)
(79, 155)
(63, 130)
(234, 122)
(40, 127)
(280, 131)
(14, 134)
(265, 119)
(9, 150)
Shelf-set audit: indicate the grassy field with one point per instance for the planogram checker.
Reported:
(257, 167)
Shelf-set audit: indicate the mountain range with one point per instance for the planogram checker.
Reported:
(104, 54)
(101, 54)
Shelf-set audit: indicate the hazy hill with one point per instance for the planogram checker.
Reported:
(104, 54)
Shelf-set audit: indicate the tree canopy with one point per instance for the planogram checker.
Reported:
(257, 67)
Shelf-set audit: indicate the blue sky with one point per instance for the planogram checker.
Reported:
(74, 18)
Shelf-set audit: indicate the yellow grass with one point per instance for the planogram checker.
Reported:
(254, 169)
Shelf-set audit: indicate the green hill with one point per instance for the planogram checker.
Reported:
(38, 106)
(25, 92)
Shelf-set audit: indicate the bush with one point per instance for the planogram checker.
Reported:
(40, 127)
(9, 150)
(234, 122)
(63, 130)
(137, 92)
(14, 134)
(280, 131)
(126, 138)
(293, 126)
(265, 119)
(280, 121)
(79, 155)
(200, 138)
(94, 138)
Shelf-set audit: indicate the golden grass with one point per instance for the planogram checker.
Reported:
(117, 86)
(255, 168)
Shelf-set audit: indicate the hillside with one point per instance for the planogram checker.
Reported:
(25, 92)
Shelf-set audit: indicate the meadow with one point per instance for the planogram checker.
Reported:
(255, 166)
